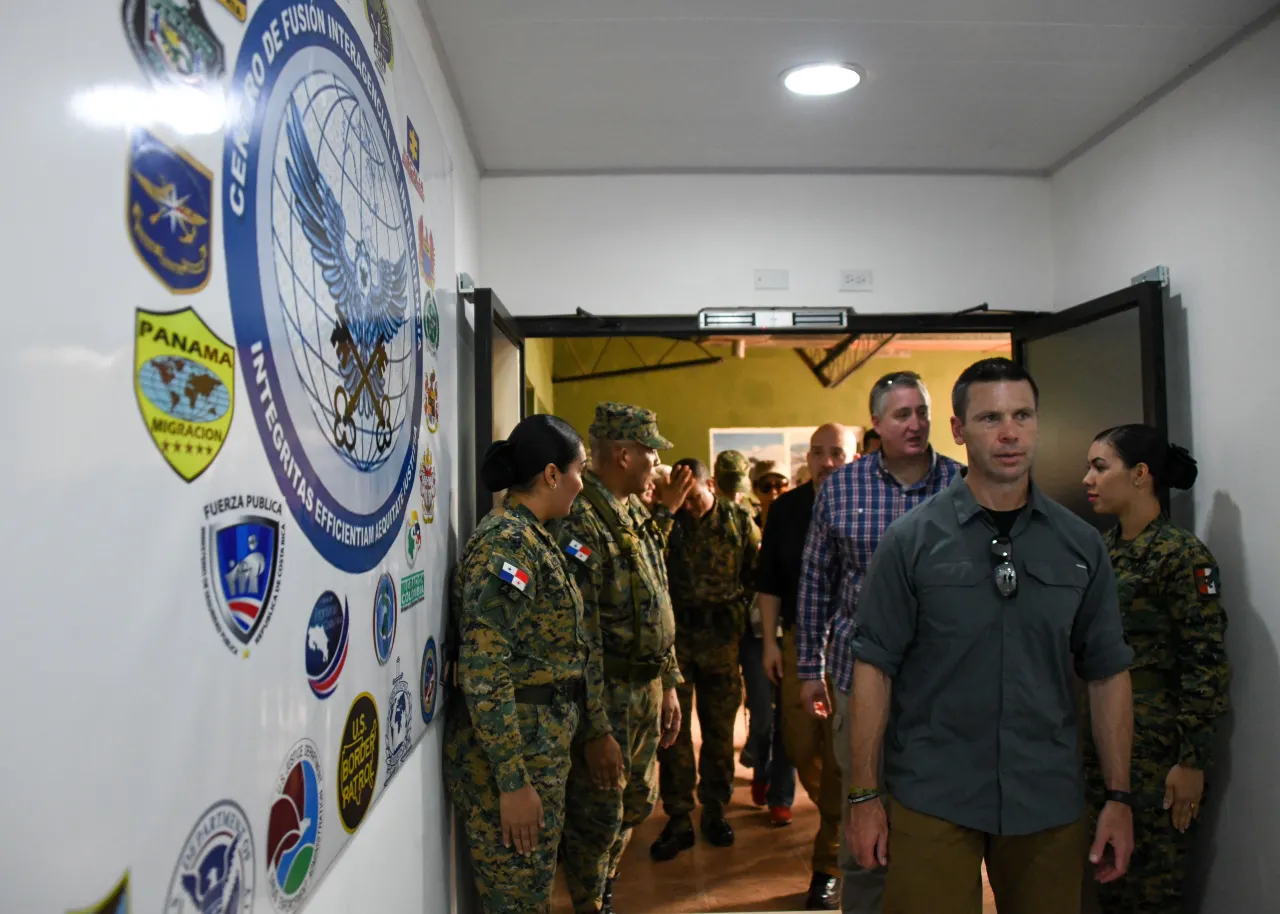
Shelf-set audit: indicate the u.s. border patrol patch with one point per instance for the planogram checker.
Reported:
(173, 42)
(116, 901)
(316, 221)
(242, 555)
(399, 723)
(1208, 585)
(184, 377)
(215, 871)
(358, 762)
(169, 212)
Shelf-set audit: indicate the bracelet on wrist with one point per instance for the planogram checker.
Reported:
(862, 795)
(1120, 796)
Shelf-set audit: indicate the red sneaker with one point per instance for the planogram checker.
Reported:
(779, 816)
(760, 792)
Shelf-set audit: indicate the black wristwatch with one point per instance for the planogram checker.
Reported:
(1120, 796)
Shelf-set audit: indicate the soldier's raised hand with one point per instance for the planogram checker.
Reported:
(676, 488)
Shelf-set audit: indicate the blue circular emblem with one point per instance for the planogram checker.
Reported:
(384, 618)
(215, 871)
(328, 636)
(427, 685)
(323, 279)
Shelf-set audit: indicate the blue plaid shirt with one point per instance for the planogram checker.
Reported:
(853, 508)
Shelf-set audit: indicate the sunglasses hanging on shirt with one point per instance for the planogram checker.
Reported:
(1006, 576)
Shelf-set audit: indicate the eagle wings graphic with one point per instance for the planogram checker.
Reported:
(369, 295)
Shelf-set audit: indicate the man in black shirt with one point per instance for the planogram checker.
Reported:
(778, 583)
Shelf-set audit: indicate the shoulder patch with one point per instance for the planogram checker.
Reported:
(514, 575)
(1208, 585)
(575, 550)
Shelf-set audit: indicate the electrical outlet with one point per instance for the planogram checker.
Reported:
(772, 280)
(855, 280)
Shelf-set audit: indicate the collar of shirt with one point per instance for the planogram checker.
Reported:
(967, 507)
(621, 508)
(875, 466)
(1139, 543)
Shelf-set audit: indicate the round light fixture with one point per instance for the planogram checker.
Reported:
(821, 78)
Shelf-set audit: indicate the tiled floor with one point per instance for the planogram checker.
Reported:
(767, 869)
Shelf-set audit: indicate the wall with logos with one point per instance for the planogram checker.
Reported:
(234, 456)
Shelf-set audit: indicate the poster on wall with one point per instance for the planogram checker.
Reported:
(263, 610)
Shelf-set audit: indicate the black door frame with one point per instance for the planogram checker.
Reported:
(490, 318)
(1148, 298)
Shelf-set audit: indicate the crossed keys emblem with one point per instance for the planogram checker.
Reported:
(370, 375)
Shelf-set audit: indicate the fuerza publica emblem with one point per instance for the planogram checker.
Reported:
(241, 560)
(325, 293)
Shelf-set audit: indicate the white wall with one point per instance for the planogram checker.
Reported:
(676, 244)
(401, 862)
(1194, 184)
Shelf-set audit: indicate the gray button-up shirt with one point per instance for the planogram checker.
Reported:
(983, 720)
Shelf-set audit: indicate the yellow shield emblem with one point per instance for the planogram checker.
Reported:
(184, 376)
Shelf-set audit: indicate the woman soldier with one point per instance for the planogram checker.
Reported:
(519, 669)
(1168, 587)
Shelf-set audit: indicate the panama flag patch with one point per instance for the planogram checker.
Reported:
(516, 577)
(578, 551)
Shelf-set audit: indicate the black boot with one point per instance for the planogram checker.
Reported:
(824, 893)
(677, 836)
(607, 906)
(716, 828)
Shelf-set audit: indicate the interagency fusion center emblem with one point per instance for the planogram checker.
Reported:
(214, 874)
(328, 639)
(399, 723)
(115, 902)
(293, 831)
(384, 618)
(324, 293)
(242, 557)
(184, 377)
(169, 212)
(173, 43)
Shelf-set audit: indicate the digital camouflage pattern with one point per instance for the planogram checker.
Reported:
(512, 636)
(711, 564)
(711, 676)
(732, 470)
(617, 560)
(1169, 593)
(599, 823)
(620, 422)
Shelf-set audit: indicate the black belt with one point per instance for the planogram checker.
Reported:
(643, 670)
(569, 692)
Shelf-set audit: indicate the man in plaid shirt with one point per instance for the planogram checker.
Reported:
(851, 512)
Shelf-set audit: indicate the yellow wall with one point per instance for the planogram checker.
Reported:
(771, 387)
(538, 360)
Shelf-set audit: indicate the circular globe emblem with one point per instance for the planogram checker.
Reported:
(384, 618)
(323, 279)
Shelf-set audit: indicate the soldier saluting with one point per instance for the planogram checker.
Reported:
(615, 547)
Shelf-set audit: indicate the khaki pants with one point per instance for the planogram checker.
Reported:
(809, 746)
(936, 867)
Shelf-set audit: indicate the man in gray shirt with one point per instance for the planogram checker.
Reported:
(977, 608)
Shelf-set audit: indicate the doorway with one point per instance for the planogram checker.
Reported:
(1097, 364)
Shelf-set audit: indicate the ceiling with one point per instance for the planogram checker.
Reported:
(999, 86)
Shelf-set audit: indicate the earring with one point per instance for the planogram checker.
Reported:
(554, 484)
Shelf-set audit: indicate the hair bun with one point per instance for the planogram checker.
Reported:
(1180, 469)
(498, 468)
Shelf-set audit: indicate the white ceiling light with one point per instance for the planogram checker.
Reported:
(821, 78)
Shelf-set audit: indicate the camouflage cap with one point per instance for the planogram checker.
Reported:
(620, 422)
(765, 468)
(732, 463)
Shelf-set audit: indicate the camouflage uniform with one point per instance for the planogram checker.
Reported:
(1168, 587)
(521, 660)
(711, 562)
(615, 549)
